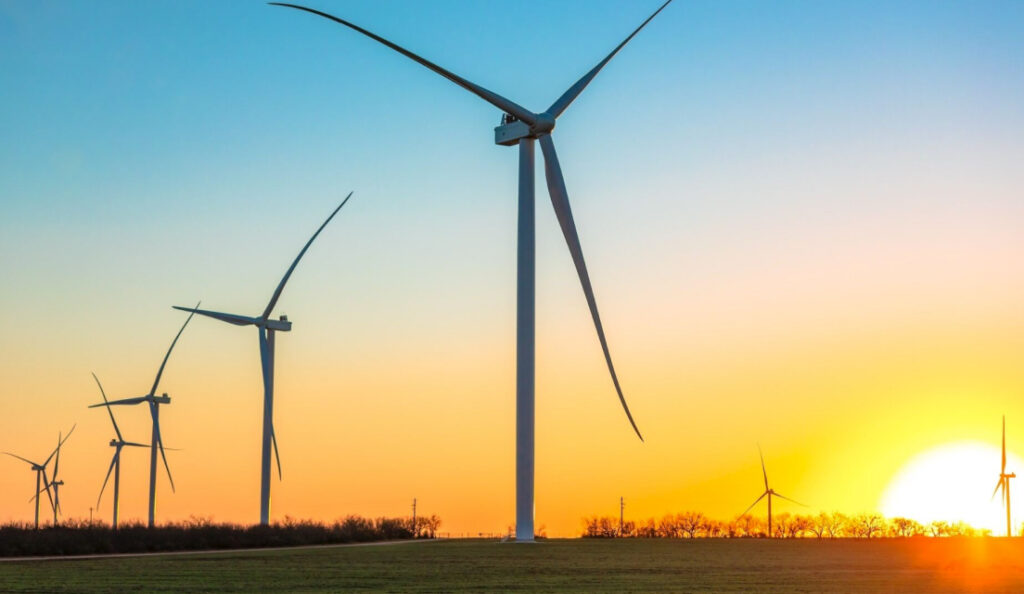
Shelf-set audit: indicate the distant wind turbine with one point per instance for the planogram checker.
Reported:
(769, 493)
(1004, 483)
(115, 463)
(42, 481)
(56, 483)
(522, 127)
(157, 442)
(267, 328)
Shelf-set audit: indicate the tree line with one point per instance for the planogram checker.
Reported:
(81, 537)
(692, 524)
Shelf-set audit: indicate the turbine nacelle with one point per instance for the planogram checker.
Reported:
(513, 129)
(281, 325)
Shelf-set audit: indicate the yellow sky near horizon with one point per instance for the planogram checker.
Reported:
(839, 398)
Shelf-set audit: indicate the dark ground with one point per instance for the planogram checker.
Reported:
(703, 565)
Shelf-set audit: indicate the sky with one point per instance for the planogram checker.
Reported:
(802, 221)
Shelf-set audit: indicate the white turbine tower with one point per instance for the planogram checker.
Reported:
(115, 463)
(267, 328)
(522, 127)
(157, 442)
(42, 481)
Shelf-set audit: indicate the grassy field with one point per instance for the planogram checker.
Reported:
(703, 565)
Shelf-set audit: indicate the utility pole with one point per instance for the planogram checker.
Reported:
(90, 516)
(414, 517)
(622, 506)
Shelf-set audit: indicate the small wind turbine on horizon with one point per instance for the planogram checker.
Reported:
(42, 481)
(521, 127)
(157, 442)
(115, 463)
(1004, 483)
(267, 328)
(769, 493)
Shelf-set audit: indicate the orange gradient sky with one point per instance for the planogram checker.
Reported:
(795, 245)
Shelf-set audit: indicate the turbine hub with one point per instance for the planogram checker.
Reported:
(544, 125)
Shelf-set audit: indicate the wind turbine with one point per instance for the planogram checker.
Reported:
(768, 492)
(42, 481)
(56, 484)
(115, 463)
(520, 126)
(1004, 483)
(267, 328)
(157, 442)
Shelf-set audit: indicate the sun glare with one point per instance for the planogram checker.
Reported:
(951, 483)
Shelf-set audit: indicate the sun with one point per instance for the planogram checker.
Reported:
(954, 482)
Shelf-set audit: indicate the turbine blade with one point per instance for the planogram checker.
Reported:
(163, 455)
(160, 372)
(120, 402)
(40, 492)
(999, 484)
(56, 463)
(268, 379)
(22, 459)
(756, 501)
(569, 96)
(560, 202)
(277, 454)
(789, 500)
(105, 401)
(1004, 445)
(489, 96)
(113, 461)
(287, 275)
(763, 471)
(235, 319)
(46, 487)
(60, 443)
(138, 445)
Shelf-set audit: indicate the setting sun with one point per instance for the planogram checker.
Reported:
(952, 483)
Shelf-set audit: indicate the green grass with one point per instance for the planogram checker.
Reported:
(712, 565)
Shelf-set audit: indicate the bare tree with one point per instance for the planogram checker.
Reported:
(801, 525)
(690, 523)
(905, 527)
(649, 529)
(668, 528)
(868, 525)
(938, 528)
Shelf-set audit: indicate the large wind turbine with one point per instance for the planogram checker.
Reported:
(42, 481)
(769, 493)
(115, 463)
(157, 442)
(522, 127)
(267, 328)
(1004, 484)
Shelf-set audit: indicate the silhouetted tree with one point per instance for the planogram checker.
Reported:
(690, 523)
(649, 529)
(868, 525)
(905, 527)
(668, 528)
(938, 528)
